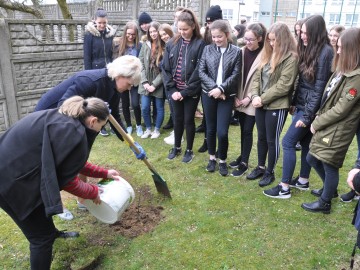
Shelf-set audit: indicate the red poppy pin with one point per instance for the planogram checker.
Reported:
(351, 94)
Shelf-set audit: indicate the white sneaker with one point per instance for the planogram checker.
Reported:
(155, 134)
(81, 206)
(129, 130)
(146, 134)
(66, 215)
(139, 131)
(171, 139)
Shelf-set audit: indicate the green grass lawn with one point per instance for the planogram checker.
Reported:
(212, 222)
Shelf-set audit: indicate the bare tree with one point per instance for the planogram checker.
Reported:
(35, 9)
(64, 9)
(17, 6)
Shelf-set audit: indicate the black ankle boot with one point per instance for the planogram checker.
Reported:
(203, 148)
(318, 206)
(318, 192)
(169, 124)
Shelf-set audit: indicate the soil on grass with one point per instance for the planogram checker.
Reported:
(141, 217)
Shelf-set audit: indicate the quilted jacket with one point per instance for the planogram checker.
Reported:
(209, 65)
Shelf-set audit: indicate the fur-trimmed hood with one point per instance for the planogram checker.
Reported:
(91, 28)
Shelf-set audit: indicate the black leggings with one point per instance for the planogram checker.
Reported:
(218, 114)
(247, 123)
(135, 104)
(40, 231)
(269, 124)
(184, 114)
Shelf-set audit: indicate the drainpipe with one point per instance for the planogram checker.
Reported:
(303, 11)
(276, 9)
(352, 19)
(342, 3)
(324, 9)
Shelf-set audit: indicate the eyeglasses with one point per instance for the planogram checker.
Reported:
(250, 40)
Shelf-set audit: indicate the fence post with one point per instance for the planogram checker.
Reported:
(8, 93)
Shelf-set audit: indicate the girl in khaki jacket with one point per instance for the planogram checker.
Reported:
(271, 94)
(336, 121)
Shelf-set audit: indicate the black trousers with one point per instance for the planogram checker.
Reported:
(40, 231)
(269, 125)
(135, 104)
(184, 112)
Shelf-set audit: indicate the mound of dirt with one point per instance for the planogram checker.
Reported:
(141, 217)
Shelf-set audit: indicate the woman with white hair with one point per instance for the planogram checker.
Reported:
(106, 83)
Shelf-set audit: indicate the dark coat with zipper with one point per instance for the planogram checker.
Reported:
(308, 94)
(98, 46)
(337, 120)
(86, 83)
(231, 64)
(39, 155)
(189, 72)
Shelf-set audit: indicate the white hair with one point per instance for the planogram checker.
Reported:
(127, 66)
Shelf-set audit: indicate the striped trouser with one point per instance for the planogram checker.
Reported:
(269, 125)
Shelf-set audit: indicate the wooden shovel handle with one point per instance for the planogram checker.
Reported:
(129, 140)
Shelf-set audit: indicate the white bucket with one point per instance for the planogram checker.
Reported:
(115, 199)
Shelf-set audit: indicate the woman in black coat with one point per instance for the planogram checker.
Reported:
(40, 155)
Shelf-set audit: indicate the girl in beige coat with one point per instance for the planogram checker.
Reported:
(254, 39)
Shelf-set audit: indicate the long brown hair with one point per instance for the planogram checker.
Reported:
(159, 43)
(129, 25)
(188, 16)
(317, 38)
(284, 44)
(349, 57)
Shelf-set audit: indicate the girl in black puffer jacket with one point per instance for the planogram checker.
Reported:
(219, 71)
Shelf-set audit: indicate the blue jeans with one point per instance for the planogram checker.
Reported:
(145, 108)
(292, 136)
(328, 174)
(358, 140)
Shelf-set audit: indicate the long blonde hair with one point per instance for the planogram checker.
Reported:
(284, 44)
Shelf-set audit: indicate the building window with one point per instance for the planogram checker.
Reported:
(255, 16)
(351, 19)
(278, 14)
(291, 14)
(321, 2)
(304, 15)
(336, 2)
(334, 19)
(265, 13)
(305, 2)
(227, 14)
(351, 2)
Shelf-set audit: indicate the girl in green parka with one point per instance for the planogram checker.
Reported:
(337, 120)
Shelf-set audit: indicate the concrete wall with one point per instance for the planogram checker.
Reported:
(36, 55)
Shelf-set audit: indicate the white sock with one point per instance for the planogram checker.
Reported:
(285, 188)
(303, 180)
